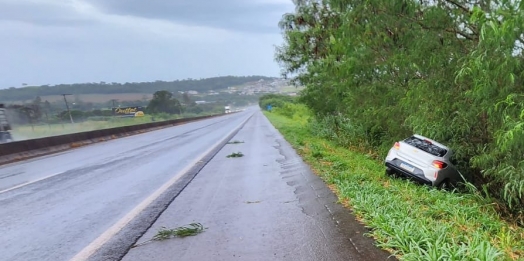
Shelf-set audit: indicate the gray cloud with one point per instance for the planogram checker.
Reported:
(41, 13)
(52, 42)
(243, 15)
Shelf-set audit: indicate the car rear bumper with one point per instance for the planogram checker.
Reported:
(409, 174)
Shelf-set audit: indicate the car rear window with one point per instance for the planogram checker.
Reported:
(426, 146)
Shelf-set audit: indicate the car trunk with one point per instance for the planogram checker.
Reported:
(415, 155)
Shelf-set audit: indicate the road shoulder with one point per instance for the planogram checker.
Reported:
(266, 205)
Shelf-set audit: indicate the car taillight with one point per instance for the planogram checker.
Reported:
(439, 164)
(397, 145)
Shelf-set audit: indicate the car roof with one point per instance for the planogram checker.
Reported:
(432, 141)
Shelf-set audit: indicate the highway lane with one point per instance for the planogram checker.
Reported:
(52, 207)
(266, 205)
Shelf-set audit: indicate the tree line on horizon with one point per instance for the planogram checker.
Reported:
(200, 85)
(377, 71)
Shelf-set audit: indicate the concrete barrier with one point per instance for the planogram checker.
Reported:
(24, 149)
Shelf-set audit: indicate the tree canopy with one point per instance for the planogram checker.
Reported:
(163, 102)
(448, 69)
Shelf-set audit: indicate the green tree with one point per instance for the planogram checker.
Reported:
(450, 69)
(186, 100)
(275, 100)
(163, 102)
(495, 72)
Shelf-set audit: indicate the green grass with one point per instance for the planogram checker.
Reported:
(23, 132)
(38, 131)
(412, 221)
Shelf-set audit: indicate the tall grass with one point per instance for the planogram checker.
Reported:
(412, 221)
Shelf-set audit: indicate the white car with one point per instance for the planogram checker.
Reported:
(424, 160)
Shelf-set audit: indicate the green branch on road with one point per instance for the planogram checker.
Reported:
(235, 142)
(184, 231)
(235, 155)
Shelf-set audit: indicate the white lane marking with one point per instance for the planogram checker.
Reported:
(89, 250)
(30, 182)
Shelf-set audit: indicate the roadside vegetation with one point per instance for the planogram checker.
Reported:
(378, 71)
(39, 130)
(37, 119)
(40, 111)
(412, 221)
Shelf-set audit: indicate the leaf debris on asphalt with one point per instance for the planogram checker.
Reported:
(235, 155)
(235, 142)
(183, 231)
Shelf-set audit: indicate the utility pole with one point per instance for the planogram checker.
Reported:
(114, 106)
(67, 106)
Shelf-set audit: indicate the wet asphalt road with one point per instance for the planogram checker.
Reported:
(266, 205)
(53, 207)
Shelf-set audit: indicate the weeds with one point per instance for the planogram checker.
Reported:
(235, 155)
(184, 231)
(413, 222)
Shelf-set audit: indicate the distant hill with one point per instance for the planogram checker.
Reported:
(200, 85)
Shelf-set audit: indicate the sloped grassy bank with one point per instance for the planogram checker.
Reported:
(413, 222)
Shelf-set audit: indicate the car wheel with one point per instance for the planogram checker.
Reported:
(390, 172)
(445, 185)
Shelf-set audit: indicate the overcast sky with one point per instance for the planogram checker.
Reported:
(73, 41)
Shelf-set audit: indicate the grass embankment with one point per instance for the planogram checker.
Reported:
(412, 221)
(24, 132)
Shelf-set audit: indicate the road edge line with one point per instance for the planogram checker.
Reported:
(30, 182)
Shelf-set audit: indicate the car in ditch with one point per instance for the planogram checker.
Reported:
(424, 160)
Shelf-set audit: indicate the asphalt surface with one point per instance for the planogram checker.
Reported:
(96, 202)
(266, 205)
(56, 206)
